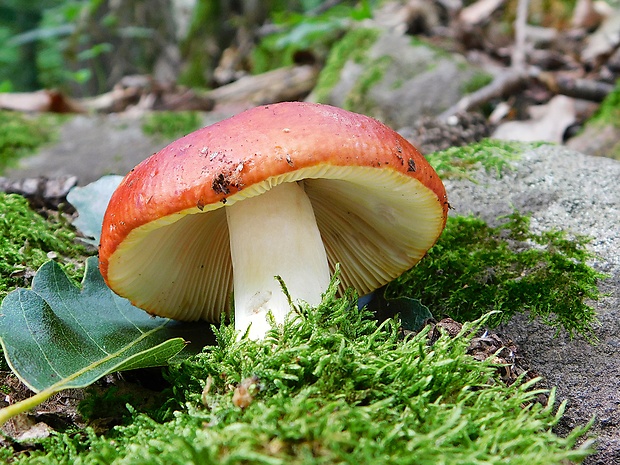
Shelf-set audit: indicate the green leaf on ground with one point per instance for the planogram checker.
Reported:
(57, 336)
(412, 313)
(91, 202)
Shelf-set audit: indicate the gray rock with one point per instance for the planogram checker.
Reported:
(91, 146)
(577, 193)
(399, 80)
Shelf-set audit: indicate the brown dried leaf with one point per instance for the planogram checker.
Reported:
(548, 122)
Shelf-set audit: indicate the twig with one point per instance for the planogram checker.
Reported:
(23, 406)
(273, 86)
(585, 89)
(505, 82)
(518, 52)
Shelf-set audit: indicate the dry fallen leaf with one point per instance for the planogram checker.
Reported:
(604, 40)
(548, 122)
(589, 14)
(479, 12)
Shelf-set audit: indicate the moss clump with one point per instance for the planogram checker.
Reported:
(332, 386)
(20, 135)
(475, 268)
(609, 111)
(172, 125)
(26, 239)
(357, 99)
(491, 155)
(353, 46)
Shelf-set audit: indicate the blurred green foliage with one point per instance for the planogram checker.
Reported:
(33, 35)
(84, 47)
(353, 45)
(297, 33)
(17, 71)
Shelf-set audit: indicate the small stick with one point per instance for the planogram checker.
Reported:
(505, 82)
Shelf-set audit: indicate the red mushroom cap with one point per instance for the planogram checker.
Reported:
(379, 205)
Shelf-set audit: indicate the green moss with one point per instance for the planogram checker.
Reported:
(492, 155)
(609, 111)
(417, 41)
(26, 239)
(477, 81)
(172, 125)
(353, 46)
(475, 268)
(332, 386)
(20, 135)
(357, 99)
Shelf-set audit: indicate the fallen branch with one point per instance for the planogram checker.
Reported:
(585, 89)
(505, 83)
(281, 84)
(146, 94)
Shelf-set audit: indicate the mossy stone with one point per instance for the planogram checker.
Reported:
(391, 77)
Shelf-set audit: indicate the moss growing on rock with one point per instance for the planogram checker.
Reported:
(357, 100)
(475, 268)
(353, 46)
(600, 135)
(477, 81)
(488, 154)
(609, 111)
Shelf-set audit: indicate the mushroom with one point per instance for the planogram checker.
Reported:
(289, 190)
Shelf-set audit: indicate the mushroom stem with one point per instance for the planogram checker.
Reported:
(274, 234)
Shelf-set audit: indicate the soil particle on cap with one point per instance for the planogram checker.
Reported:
(411, 165)
(220, 184)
